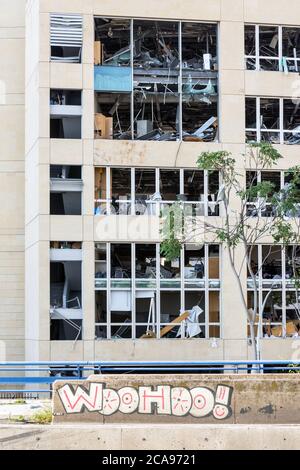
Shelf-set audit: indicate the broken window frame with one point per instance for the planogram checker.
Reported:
(280, 285)
(206, 207)
(283, 61)
(157, 285)
(212, 75)
(256, 208)
(284, 136)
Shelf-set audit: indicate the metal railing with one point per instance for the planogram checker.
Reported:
(42, 375)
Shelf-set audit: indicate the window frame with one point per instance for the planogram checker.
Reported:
(157, 287)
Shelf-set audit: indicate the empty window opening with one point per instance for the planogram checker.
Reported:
(112, 116)
(194, 185)
(170, 306)
(101, 314)
(145, 267)
(272, 48)
(291, 49)
(65, 190)
(144, 191)
(100, 265)
(65, 114)
(121, 314)
(268, 48)
(258, 206)
(275, 120)
(121, 190)
(66, 32)
(291, 121)
(112, 42)
(199, 46)
(274, 267)
(145, 313)
(169, 270)
(120, 260)
(250, 47)
(169, 184)
(213, 190)
(65, 300)
(138, 70)
(194, 262)
(196, 299)
(179, 299)
(65, 172)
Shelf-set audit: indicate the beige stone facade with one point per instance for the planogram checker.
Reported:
(28, 152)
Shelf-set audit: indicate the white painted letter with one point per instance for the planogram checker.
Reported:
(111, 402)
(73, 402)
(160, 397)
(181, 401)
(129, 400)
(202, 402)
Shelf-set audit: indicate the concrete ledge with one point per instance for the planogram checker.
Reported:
(150, 437)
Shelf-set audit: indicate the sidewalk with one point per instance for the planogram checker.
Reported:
(149, 437)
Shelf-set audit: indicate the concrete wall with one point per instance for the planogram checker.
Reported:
(149, 437)
(12, 113)
(223, 399)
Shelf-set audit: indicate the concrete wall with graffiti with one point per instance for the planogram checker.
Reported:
(178, 399)
(160, 399)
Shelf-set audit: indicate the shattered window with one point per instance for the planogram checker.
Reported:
(272, 48)
(269, 47)
(121, 190)
(199, 46)
(262, 206)
(155, 44)
(279, 120)
(164, 299)
(156, 73)
(112, 118)
(194, 185)
(199, 82)
(138, 70)
(112, 42)
(145, 189)
(291, 121)
(251, 124)
(291, 49)
(169, 184)
(269, 114)
(250, 47)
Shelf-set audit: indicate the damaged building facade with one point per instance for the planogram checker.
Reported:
(100, 134)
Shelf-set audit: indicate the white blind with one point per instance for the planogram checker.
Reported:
(66, 30)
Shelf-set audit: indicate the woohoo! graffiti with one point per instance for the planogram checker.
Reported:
(198, 402)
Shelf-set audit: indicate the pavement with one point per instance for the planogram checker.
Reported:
(21, 410)
(149, 437)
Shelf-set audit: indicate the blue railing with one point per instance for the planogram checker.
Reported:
(43, 374)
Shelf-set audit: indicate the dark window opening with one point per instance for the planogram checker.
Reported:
(65, 300)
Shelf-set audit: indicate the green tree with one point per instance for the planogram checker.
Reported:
(239, 228)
